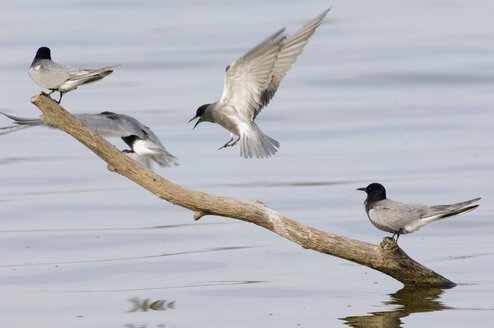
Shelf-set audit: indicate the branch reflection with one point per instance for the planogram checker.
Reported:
(408, 300)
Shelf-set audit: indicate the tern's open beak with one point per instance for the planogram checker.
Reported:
(198, 121)
(362, 189)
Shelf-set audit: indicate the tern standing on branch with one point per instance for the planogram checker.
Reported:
(55, 77)
(398, 218)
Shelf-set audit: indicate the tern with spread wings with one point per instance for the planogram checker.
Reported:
(250, 83)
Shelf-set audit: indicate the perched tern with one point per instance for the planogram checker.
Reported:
(399, 218)
(55, 77)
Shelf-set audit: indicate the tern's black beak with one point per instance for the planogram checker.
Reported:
(362, 189)
(198, 121)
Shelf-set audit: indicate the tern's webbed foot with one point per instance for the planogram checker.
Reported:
(128, 151)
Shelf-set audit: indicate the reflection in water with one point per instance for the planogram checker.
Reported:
(145, 325)
(408, 300)
(146, 305)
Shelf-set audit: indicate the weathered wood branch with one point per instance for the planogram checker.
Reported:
(386, 257)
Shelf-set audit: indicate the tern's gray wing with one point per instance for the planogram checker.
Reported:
(19, 123)
(105, 124)
(48, 74)
(89, 75)
(151, 136)
(247, 76)
(392, 216)
(108, 124)
(127, 125)
(291, 48)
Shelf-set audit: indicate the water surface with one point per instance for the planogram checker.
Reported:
(399, 93)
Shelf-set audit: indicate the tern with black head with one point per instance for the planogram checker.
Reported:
(250, 83)
(136, 135)
(55, 77)
(399, 218)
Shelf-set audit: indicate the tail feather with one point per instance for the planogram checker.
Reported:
(456, 212)
(452, 207)
(439, 212)
(254, 143)
(93, 75)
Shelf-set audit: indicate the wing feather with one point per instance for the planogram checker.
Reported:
(393, 216)
(252, 80)
(291, 48)
(246, 77)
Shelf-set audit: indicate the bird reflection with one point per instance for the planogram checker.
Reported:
(409, 300)
(146, 305)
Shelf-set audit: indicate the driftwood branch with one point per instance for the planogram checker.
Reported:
(386, 257)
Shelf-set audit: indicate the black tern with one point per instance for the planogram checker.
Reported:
(137, 136)
(55, 77)
(399, 218)
(250, 83)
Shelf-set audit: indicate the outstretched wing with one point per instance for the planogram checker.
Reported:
(252, 80)
(290, 49)
(246, 77)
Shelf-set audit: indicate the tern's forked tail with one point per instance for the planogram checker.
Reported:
(93, 75)
(254, 143)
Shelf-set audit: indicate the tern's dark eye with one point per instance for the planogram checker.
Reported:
(200, 110)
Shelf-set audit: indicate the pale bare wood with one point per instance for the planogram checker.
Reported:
(386, 257)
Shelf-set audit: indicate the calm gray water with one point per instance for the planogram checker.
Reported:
(396, 92)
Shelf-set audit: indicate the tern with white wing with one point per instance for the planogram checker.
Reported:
(250, 83)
